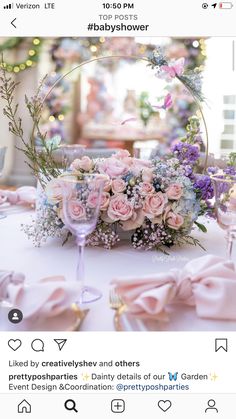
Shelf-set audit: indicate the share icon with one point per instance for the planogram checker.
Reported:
(61, 343)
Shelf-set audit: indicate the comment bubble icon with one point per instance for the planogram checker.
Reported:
(37, 345)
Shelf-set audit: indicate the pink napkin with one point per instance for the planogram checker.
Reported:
(47, 298)
(208, 283)
(23, 195)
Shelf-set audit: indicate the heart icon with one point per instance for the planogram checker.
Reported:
(164, 405)
(14, 344)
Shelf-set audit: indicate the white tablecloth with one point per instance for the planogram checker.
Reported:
(17, 253)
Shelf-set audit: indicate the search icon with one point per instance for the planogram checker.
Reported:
(70, 405)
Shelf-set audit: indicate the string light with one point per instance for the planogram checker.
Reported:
(93, 48)
(30, 61)
(142, 49)
(203, 47)
(36, 41)
(60, 117)
(32, 52)
(195, 44)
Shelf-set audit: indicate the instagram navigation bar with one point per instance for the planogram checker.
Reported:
(118, 18)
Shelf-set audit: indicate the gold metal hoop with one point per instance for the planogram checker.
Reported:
(132, 57)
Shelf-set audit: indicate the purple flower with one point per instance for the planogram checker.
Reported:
(230, 170)
(198, 139)
(212, 170)
(186, 153)
(188, 171)
(204, 185)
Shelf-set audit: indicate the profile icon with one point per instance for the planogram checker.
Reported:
(211, 406)
(15, 316)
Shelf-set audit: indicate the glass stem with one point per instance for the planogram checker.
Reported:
(230, 238)
(80, 266)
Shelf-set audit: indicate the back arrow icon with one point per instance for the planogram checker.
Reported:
(12, 22)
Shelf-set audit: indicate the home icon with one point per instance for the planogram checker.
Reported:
(24, 407)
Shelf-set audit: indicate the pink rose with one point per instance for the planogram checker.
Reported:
(54, 191)
(93, 200)
(120, 208)
(154, 204)
(146, 188)
(105, 181)
(113, 167)
(173, 220)
(105, 199)
(75, 164)
(107, 186)
(139, 166)
(122, 154)
(174, 191)
(134, 222)
(85, 164)
(76, 209)
(118, 185)
(57, 188)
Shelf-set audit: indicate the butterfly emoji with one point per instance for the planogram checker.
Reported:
(173, 377)
(166, 104)
(175, 68)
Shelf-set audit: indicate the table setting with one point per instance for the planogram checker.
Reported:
(103, 267)
(119, 243)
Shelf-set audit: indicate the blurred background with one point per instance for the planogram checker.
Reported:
(88, 107)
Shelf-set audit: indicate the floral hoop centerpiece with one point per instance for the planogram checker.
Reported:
(157, 201)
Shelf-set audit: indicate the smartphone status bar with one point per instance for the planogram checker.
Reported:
(117, 18)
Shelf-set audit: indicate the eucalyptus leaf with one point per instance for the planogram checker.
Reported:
(201, 227)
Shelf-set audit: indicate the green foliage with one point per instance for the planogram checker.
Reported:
(41, 163)
(232, 159)
(201, 227)
(146, 110)
(11, 43)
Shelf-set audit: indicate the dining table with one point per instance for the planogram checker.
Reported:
(17, 253)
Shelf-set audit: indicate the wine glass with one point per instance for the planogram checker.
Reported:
(225, 203)
(2, 158)
(81, 205)
(70, 152)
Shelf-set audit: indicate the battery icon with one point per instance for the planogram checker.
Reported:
(226, 5)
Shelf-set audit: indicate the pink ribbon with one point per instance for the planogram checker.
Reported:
(208, 283)
(23, 195)
(46, 298)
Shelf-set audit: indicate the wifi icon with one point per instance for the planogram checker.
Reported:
(8, 6)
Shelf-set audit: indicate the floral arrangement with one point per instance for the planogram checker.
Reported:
(158, 201)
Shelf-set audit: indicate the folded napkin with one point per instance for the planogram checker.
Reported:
(47, 298)
(208, 283)
(23, 195)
